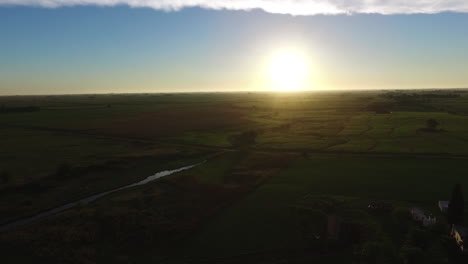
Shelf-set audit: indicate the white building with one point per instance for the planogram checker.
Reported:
(420, 216)
(443, 206)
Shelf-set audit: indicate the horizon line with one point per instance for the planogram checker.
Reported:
(234, 91)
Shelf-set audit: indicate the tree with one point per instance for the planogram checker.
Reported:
(432, 124)
(456, 206)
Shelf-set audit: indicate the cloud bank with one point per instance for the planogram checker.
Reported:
(292, 7)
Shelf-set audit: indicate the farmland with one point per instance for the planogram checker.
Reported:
(268, 156)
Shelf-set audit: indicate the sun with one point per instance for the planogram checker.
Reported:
(288, 71)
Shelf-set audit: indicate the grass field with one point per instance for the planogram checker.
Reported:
(246, 203)
(265, 219)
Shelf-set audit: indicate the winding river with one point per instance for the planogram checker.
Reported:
(87, 200)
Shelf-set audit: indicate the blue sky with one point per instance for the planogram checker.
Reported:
(90, 49)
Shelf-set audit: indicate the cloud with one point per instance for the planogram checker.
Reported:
(293, 7)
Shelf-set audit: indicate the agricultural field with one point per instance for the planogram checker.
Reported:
(272, 168)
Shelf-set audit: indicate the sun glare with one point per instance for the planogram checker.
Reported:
(288, 71)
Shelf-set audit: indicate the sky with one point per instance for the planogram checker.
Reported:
(126, 46)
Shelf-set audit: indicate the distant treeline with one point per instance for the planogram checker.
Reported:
(22, 109)
(402, 101)
(403, 96)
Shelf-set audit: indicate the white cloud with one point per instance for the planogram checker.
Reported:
(293, 7)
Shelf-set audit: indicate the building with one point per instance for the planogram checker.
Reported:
(420, 216)
(443, 206)
(460, 234)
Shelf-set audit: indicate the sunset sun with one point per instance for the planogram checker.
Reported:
(288, 71)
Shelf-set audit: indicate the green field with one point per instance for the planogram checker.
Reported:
(265, 218)
(272, 160)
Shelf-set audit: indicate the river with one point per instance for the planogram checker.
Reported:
(89, 199)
